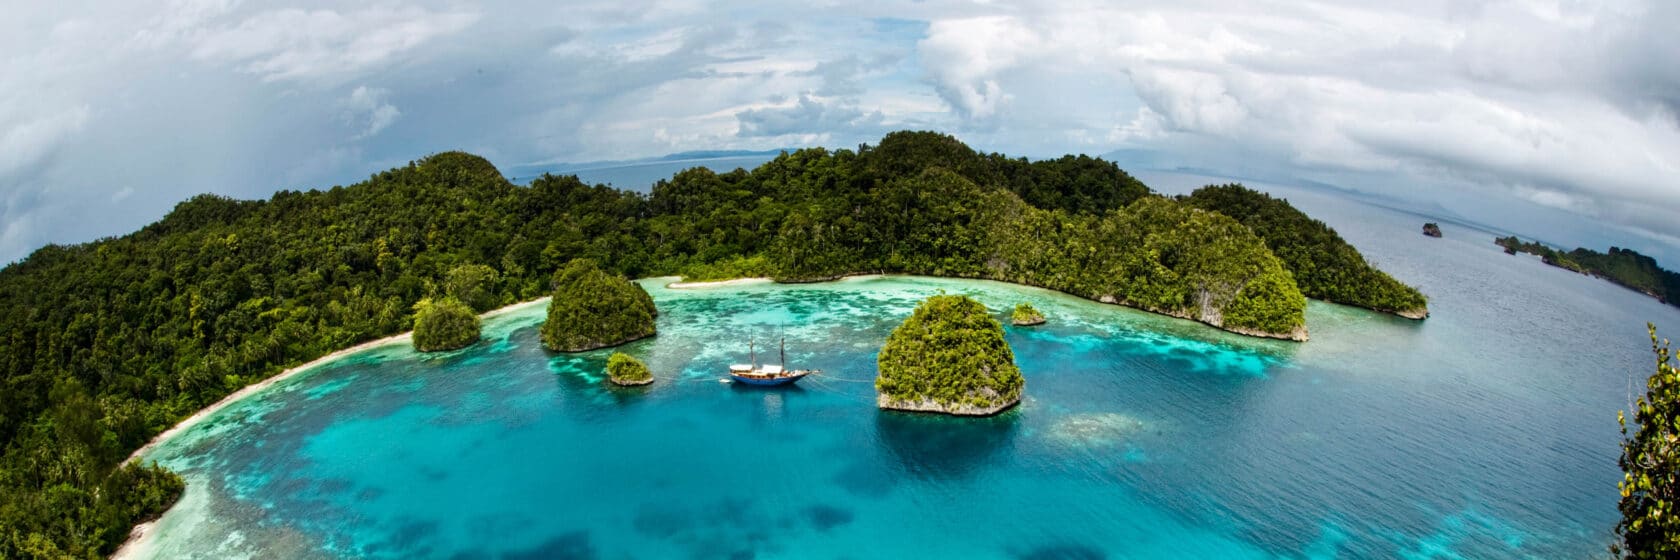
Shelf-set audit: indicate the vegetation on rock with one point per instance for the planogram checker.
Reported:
(624, 369)
(444, 324)
(949, 356)
(1025, 315)
(1324, 266)
(1624, 267)
(1650, 526)
(593, 308)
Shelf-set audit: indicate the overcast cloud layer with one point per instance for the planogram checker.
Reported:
(1523, 114)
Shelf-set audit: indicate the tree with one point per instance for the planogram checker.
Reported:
(444, 324)
(474, 285)
(1650, 526)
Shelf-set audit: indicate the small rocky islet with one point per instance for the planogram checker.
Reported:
(625, 370)
(593, 309)
(948, 357)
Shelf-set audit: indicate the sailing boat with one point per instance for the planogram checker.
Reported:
(766, 375)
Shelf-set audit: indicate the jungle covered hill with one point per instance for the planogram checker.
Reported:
(105, 344)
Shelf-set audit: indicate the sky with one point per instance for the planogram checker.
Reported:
(1555, 119)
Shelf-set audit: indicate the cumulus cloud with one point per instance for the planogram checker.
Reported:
(296, 44)
(807, 115)
(367, 108)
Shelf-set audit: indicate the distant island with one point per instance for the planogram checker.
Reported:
(1624, 267)
(223, 293)
(948, 357)
(1432, 229)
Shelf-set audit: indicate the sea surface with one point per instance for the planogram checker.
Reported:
(1486, 431)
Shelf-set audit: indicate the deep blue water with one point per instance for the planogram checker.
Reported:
(1487, 431)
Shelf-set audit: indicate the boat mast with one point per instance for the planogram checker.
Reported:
(784, 351)
(752, 353)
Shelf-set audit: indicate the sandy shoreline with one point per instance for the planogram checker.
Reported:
(137, 536)
(718, 283)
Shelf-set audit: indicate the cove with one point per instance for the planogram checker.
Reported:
(1139, 436)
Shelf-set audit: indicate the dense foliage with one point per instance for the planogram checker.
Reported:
(1325, 267)
(1025, 314)
(444, 324)
(592, 308)
(624, 369)
(1624, 267)
(949, 352)
(474, 285)
(105, 344)
(1650, 525)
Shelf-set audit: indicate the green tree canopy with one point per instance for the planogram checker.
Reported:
(948, 356)
(474, 285)
(444, 324)
(592, 308)
(1650, 525)
(1323, 265)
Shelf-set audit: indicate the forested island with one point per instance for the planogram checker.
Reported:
(948, 357)
(105, 344)
(1624, 267)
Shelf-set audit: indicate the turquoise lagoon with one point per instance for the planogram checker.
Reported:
(1487, 431)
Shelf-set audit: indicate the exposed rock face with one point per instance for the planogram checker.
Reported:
(1432, 229)
(948, 357)
(929, 405)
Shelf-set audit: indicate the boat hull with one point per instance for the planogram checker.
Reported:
(766, 381)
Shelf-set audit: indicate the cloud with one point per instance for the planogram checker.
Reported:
(1563, 104)
(807, 115)
(290, 44)
(368, 105)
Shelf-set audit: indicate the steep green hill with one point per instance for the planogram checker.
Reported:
(1325, 267)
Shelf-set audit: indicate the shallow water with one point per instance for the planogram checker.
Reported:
(1487, 431)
